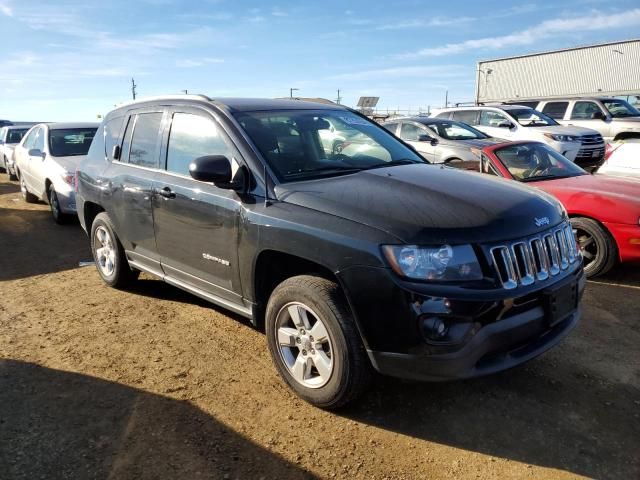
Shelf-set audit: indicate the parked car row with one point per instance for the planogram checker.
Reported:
(354, 252)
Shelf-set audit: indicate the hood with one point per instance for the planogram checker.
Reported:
(70, 164)
(603, 186)
(423, 204)
(565, 130)
(478, 143)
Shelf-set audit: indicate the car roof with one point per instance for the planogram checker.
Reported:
(67, 125)
(232, 105)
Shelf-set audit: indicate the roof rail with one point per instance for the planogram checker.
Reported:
(198, 96)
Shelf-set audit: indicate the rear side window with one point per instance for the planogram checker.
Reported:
(193, 136)
(584, 110)
(145, 147)
(556, 109)
(470, 117)
(409, 132)
(392, 127)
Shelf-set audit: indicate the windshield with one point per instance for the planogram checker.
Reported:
(305, 144)
(14, 136)
(528, 117)
(70, 141)
(620, 109)
(450, 130)
(536, 161)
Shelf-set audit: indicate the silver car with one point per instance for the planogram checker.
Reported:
(440, 140)
(46, 161)
(10, 136)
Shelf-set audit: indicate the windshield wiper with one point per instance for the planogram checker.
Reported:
(394, 163)
(326, 168)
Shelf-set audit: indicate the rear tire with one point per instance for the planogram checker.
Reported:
(108, 254)
(26, 195)
(331, 369)
(599, 249)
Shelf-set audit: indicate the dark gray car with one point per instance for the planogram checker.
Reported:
(440, 140)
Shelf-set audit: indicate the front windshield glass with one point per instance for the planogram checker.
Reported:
(528, 117)
(68, 142)
(450, 130)
(305, 144)
(536, 161)
(620, 109)
(15, 135)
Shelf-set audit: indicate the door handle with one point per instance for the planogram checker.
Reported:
(164, 192)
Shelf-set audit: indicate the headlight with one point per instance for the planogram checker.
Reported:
(561, 138)
(443, 263)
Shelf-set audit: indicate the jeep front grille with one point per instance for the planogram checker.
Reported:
(537, 258)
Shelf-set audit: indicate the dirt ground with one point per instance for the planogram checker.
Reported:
(155, 383)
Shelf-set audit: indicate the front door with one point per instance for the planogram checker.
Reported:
(582, 116)
(410, 133)
(490, 122)
(196, 223)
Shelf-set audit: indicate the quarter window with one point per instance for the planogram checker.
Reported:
(584, 110)
(470, 117)
(409, 132)
(145, 147)
(556, 109)
(193, 136)
(489, 118)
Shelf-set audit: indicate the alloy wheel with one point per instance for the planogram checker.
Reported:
(305, 345)
(106, 252)
(55, 205)
(588, 246)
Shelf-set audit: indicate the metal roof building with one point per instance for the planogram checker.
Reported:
(608, 69)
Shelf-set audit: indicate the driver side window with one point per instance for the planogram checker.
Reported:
(584, 110)
(39, 140)
(409, 132)
(30, 140)
(489, 118)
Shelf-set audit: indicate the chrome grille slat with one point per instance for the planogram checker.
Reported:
(537, 258)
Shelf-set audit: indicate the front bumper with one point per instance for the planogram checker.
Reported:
(508, 329)
(67, 201)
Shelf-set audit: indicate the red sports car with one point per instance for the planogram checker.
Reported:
(604, 210)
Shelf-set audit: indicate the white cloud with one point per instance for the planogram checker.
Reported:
(440, 71)
(6, 9)
(191, 63)
(549, 28)
(278, 12)
(431, 22)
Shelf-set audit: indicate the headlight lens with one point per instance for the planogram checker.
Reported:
(561, 138)
(444, 263)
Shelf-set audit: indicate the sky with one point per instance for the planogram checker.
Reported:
(72, 60)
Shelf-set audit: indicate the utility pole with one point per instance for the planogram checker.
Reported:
(446, 98)
(291, 90)
(186, 92)
(339, 98)
(133, 88)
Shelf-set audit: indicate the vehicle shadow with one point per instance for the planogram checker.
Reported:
(7, 188)
(57, 424)
(625, 274)
(522, 415)
(31, 243)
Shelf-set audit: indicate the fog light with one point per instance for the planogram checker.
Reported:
(435, 328)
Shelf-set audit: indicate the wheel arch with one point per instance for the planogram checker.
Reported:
(90, 211)
(626, 135)
(602, 225)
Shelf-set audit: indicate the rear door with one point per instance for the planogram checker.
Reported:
(130, 184)
(196, 223)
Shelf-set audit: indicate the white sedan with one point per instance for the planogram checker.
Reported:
(622, 159)
(46, 161)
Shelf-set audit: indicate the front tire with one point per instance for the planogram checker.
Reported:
(108, 254)
(26, 195)
(314, 343)
(598, 247)
(59, 217)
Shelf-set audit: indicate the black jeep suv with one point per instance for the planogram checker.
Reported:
(319, 225)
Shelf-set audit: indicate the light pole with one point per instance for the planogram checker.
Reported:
(291, 90)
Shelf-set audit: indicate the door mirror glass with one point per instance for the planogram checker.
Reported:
(36, 152)
(424, 138)
(598, 115)
(214, 169)
(505, 124)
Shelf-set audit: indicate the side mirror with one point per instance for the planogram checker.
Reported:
(36, 152)
(505, 124)
(598, 116)
(214, 169)
(428, 138)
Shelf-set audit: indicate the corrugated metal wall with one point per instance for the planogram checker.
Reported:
(590, 71)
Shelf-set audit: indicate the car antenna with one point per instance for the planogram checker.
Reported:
(267, 201)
